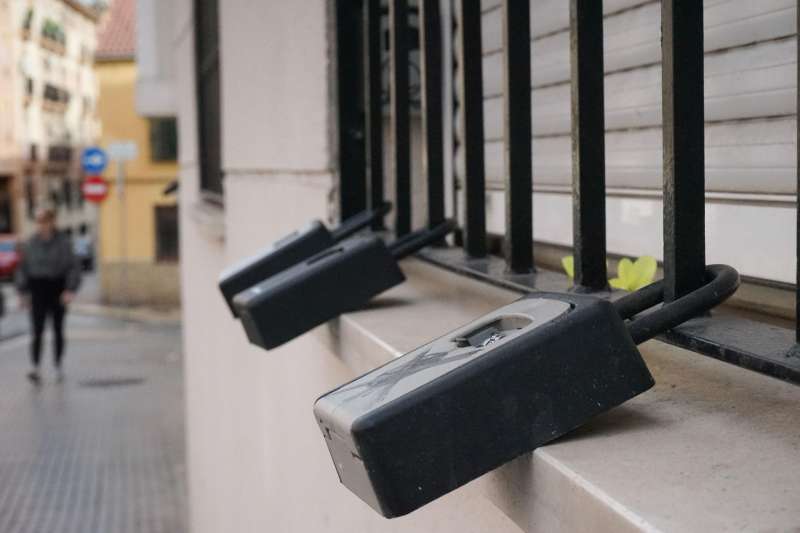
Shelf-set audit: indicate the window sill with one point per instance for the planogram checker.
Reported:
(711, 447)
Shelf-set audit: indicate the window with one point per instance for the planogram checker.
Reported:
(590, 150)
(27, 22)
(30, 203)
(163, 139)
(166, 232)
(79, 194)
(208, 96)
(5, 205)
(66, 193)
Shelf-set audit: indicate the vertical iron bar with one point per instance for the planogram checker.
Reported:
(433, 146)
(588, 145)
(471, 81)
(519, 171)
(373, 104)
(684, 161)
(797, 230)
(401, 146)
(352, 159)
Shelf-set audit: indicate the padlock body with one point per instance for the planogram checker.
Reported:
(342, 278)
(444, 414)
(276, 258)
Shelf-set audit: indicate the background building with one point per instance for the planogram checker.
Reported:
(138, 254)
(712, 447)
(48, 99)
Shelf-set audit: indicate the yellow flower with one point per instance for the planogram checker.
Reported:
(631, 275)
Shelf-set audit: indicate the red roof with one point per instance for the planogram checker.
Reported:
(116, 34)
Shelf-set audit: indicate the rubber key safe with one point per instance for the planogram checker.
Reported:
(342, 278)
(291, 250)
(455, 408)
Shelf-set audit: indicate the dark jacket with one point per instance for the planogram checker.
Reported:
(51, 259)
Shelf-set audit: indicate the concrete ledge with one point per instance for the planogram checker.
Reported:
(711, 447)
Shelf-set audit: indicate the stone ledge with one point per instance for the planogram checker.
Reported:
(711, 447)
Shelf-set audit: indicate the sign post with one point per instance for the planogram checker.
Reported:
(94, 188)
(122, 151)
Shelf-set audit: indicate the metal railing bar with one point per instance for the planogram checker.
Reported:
(684, 160)
(518, 136)
(432, 124)
(401, 135)
(588, 145)
(373, 105)
(471, 85)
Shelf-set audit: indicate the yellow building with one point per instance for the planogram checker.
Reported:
(138, 236)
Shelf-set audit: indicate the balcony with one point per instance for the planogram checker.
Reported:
(59, 153)
(53, 37)
(56, 99)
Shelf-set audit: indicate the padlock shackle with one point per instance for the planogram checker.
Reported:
(415, 241)
(359, 221)
(721, 282)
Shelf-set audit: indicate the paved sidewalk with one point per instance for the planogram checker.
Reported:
(104, 451)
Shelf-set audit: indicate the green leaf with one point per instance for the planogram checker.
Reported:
(617, 283)
(568, 263)
(625, 272)
(644, 271)
(631, 275)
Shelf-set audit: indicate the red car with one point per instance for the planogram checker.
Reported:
(9, 256)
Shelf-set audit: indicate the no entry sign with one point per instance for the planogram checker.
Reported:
(95, 189)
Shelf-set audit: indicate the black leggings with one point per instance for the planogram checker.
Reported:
(46, 300)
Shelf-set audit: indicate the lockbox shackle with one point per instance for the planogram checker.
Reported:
(721, 282)
(415, 241)
(359, 221)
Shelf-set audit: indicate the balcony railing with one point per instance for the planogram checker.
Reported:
(53, 37)
(59, 153)
(55, 99)
(741, 341)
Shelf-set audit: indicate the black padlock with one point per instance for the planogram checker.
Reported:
(442, 415)
(342, 278)
(289, 251)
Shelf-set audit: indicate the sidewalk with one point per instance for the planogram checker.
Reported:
(104, 451)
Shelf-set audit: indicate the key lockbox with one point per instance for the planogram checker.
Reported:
(289, 251)
(455, 408)
(342, 278)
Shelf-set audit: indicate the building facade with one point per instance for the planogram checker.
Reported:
(263, 94)
(49, 110)
(138, 236)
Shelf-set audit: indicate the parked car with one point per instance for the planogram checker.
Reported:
(9, 256)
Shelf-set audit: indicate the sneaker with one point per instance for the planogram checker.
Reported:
(33, 377)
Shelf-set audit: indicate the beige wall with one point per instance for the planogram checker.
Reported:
(256, 459)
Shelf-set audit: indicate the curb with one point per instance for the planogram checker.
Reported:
(136, 314)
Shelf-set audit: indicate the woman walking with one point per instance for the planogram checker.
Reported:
(47, 278)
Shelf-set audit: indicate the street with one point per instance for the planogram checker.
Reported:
(104, 450)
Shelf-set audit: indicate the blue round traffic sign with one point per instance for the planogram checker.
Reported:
(94, 160)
